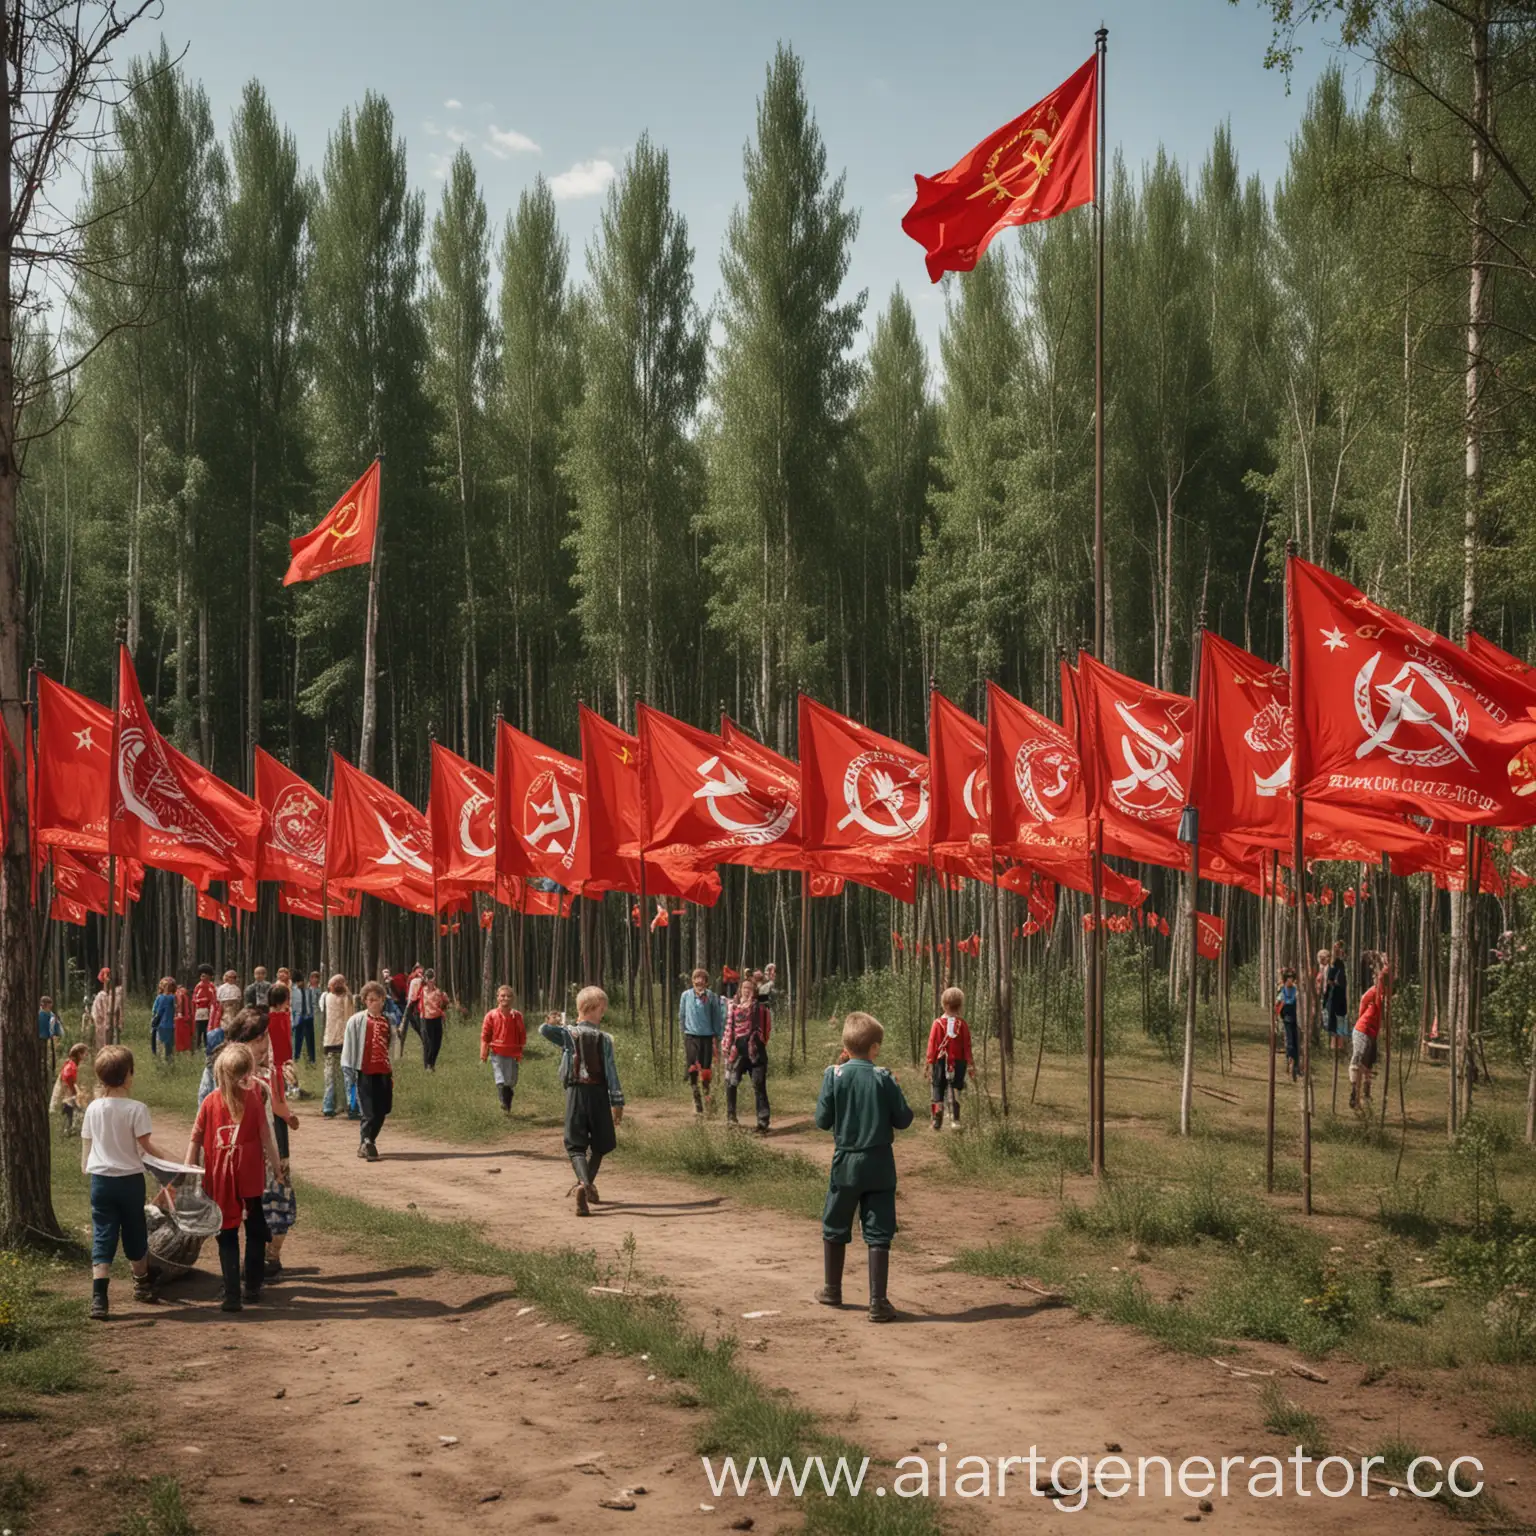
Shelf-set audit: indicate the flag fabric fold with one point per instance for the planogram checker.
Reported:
(461, 811)
(377, 841)
(293, 841)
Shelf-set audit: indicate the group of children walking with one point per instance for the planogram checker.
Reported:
(1331, 983)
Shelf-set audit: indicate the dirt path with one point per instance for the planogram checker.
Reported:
(325, 1408)
(975, 1364)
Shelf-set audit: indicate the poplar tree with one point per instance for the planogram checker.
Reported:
(631, 466)
(782, 390)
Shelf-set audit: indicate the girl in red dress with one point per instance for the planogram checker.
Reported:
(233, 1140)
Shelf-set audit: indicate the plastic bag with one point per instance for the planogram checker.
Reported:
(176, 1236)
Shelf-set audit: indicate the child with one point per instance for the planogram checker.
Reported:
(228, 994)
(205, 999)
(433, 1005)
(1287, 1000)
(106, 1009)
(280, 1025)
(744, 1049)
(50, 1029)
(949, 1055)
(701, 1020)
(1362, 1058)
(183, 1020)
(502, 1038)
(365, 1049)
(863, 1106)
(594, 1101)
(162, 1019)
(115, 1135)
(1336, 996)
(232, 1131)
(338, 1009)
(67, 1097)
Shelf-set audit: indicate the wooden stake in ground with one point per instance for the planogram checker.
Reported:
(1303, 1009)
(1386, 984)
(1189, 832)
(1002, 1044)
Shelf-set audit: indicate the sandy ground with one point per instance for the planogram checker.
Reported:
(980, 1367)
(337, 1389)
(327, 1408)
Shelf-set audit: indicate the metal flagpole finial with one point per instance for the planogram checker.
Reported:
(1290, 547)
(1100, 38)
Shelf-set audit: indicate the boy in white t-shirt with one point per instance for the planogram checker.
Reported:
(115, 1136)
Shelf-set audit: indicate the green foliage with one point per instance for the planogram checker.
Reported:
(1296, 1425)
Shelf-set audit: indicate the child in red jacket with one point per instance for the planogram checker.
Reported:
(949, 1056)
(502, 1038)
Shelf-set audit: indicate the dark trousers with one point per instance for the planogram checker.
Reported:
(431, 1041)
(255, 1250)
(304, 1039)
(375, 1098)
(757, 1070)
(589, 1133)
(200, 1029)
(1292, 1046)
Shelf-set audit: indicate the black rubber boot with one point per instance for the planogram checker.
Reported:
(504, 1093)
(100, 1310)
(698, 1098)
(229, 1267)
(880, 1308)
(832, 1256)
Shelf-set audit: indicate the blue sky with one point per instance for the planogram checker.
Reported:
(898, 87)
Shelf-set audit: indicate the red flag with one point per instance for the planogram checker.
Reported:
(610, 758)
(1136, 755)
(83, 878)
(64, 909)
(376, 841)
(293, 842)
(960, 808)
(701, 797)
(828, 871)
(241, 894)
(1210, 935)
(343, 537)
(1241, 778)
(300, 901)
(461, 810)
(1392, 717)
(1033, 168)
(860, 790)
(169, 811)
(541, 812)
(213, 911)
(1497, 657)
(71, 791)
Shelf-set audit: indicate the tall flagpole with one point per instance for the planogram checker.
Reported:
(367, 916)
(1100, 48)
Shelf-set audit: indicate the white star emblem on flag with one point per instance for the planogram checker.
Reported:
(1334, 639)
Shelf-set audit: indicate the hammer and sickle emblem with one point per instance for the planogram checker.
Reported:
(348, 520)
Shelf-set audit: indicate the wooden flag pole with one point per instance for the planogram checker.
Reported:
(114, 1023)
(1303, 1008)
(1269, 1108)
(1101, 50)
(1386, 985)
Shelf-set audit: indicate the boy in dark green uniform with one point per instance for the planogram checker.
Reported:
(863, 1106)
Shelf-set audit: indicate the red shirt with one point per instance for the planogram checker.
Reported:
(434, 1001)
(69, 1073)
(234, 1161)
(376, 1045)
(204, 995)
(504, 1034)
(1369, 1022)
(954, 1047)
(280, 1033)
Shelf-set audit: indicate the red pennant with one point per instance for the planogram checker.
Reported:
(213, 911)
(1500, 660)
(300, 901)
(64, 909)
(1392, 717)
(1210, 934)
(343, 537)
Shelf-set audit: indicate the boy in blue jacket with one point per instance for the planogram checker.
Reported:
(863, 1106)
(701, 1020)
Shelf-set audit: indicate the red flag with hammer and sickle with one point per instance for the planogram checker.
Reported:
(343, 537)
(1031, 169)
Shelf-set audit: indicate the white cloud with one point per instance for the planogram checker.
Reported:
(458, 136)
(584, 179)
(508, 141)
(453, 104)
